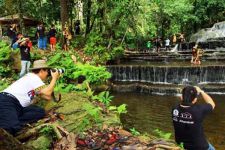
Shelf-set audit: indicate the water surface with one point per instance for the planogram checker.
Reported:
(149, 112)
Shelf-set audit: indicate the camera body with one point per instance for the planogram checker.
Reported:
(59, 70)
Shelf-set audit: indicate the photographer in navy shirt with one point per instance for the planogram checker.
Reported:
(188, 117)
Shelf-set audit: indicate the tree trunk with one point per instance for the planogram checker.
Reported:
(64, 12)
(80, 11)
(88, 18)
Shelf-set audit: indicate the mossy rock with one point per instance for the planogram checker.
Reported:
(41, 143)
(76, 117)
(72, 106)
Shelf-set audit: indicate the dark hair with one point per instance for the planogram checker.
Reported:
(81, 79)
(36, 71)
(189, 93)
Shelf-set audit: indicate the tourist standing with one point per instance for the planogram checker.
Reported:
(52, 37)
(180, 41)
(42, 39)
(77, 27)
(25, 47)
(12, 34)
(174, 39)
(66, 38)
(158, 44)
(188, 117)
(167, 44)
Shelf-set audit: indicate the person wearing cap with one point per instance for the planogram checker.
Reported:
(16, 100)
(188, 117)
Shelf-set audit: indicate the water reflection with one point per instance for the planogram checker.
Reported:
(148, 112)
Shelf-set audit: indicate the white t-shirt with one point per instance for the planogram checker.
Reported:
(24, 88)
(167, 42)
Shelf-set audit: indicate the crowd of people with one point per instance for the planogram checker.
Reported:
(44, 38)
(158, 43)
(176, 43)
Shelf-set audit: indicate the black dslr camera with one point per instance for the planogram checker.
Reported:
(60, 71)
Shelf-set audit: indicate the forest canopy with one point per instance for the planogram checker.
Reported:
(116, 19)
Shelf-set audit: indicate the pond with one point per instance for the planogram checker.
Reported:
(149, 112)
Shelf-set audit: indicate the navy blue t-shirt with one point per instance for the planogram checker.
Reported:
(187, 122)
(25, 53)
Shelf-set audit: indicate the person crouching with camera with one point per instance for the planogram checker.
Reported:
(16, 100)
(188, 118)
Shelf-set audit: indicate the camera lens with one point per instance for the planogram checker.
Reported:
(61, 71)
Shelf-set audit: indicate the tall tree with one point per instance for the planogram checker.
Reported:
(88, 17)
(64, 12)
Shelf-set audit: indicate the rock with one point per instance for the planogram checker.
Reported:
(134, 147)
(66, 143)
(124, 132)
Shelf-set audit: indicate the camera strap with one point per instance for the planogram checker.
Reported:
(54, 98)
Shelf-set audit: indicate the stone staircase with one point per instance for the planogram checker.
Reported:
(168, 72)
(185, 55)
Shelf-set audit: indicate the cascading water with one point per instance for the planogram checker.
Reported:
(167, 72)
(168, 75)
(166, 79)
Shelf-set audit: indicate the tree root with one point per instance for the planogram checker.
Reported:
(8, 142)
(59, 132)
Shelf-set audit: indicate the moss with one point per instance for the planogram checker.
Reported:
(72, 107)
(76, 117)
(41, 143)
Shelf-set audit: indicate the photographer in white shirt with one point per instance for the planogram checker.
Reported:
(16, 101)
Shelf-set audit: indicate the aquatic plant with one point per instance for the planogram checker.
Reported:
(103, 97)
(162, 134)
(134, 132)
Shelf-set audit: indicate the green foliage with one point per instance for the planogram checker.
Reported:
(140, 18)
(102, 48)
(93, 74)
(117, 51)
(134, 132)
(181, 145)
(48, 130)
(35, 54)
(96, 47)
(92, 117)
(103, 97)
(162, 134)
(120, 109)
(93, 111)
(3, 84)
(5, 60)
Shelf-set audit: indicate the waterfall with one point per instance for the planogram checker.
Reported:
(168, 74)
